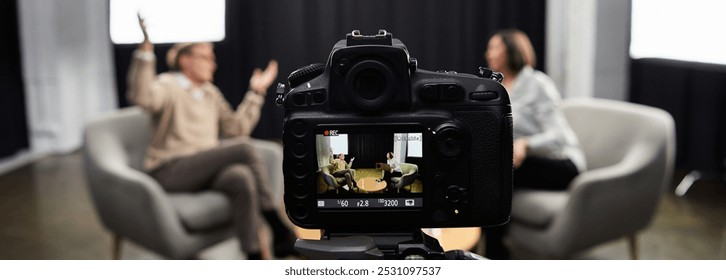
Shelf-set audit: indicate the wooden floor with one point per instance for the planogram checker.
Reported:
(46, 213)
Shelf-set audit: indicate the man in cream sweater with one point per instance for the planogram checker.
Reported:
(185, 154)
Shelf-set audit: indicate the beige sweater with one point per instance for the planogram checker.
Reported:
(339, 164)
(186, 120)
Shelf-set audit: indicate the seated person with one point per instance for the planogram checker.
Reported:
(394, 171)
(340, 168)
(185, 154)
(547, 154)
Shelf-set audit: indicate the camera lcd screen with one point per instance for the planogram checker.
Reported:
(369, 168)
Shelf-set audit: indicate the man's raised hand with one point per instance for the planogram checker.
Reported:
(146, 44)
(261, 80)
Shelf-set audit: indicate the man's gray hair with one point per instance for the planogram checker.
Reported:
(179, 49)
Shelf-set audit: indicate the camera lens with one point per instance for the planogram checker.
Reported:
(369, 85)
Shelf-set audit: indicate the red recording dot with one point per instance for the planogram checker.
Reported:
(326, 133)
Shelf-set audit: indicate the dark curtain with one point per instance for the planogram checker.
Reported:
(695, 95)
(441, 34)
(369, 148)
(419, 162)
(13, 124)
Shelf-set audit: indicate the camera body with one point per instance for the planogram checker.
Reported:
(371, 142)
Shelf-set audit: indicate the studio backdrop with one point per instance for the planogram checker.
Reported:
(440, 34)
(13, 124)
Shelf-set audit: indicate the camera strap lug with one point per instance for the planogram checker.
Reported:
(280, 99)
(490, 74)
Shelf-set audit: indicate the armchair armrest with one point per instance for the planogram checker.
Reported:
(600, 198)
(131, 203)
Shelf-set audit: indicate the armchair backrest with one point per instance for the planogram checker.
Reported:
(118, 138)
(609, 131)
(410, 171)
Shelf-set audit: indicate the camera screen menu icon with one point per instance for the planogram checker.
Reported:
(410, 202)
(321, 203)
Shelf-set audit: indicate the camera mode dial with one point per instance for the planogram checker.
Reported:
(305, 73)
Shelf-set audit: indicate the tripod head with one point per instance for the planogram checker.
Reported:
(357, 245)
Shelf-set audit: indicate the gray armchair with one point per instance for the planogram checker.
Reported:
(133, 205)
(410, 171)
(332, 181)
(630, 151)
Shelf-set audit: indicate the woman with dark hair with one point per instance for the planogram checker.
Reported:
(547, 154)
(395, 170)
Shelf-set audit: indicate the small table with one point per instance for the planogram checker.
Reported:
(455, 238)
(369, 184)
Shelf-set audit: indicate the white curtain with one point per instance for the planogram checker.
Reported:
(322, 144)
(68, 70)
(400, 141)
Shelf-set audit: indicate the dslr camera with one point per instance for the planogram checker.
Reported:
(372, 142)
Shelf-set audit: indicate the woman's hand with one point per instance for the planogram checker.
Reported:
(520, 152)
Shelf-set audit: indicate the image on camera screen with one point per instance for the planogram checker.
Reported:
(372, 169)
